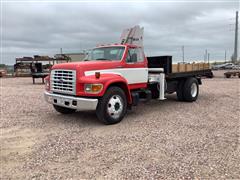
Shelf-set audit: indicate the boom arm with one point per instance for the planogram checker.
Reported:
(133, 36)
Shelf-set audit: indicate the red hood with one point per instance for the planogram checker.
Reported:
(87, 65)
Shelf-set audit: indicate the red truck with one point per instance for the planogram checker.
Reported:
(113, 78)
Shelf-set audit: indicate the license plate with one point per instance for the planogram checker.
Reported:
(60, 100)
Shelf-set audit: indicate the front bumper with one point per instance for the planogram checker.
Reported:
(71, 102)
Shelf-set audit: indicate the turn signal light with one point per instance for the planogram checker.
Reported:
(93, 88)
(96, 87)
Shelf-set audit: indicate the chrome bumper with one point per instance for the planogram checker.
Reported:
(71, 102)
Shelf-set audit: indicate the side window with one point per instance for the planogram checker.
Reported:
(134, 55)
(128, 60)
(140, 55)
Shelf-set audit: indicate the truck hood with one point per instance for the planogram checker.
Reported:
(83, 66)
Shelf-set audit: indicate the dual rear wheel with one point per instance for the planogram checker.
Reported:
(188, 90)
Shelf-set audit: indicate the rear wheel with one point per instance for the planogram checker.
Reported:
(180, 96)
(154, 88)
(210, 75)
(63, 110)
(190, 90)
(112, 106)
(228, 75)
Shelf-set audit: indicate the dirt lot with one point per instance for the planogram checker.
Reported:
(168, 139)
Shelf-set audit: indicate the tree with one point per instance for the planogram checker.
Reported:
(2, 66)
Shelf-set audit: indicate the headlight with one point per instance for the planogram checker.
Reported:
(93, 88)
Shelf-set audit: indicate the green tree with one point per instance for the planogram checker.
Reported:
(2, 66)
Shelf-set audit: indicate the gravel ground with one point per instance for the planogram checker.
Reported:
(157, 140)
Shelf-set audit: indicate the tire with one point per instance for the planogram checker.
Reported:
(155, 91)
(210, 75)
(180, 96)
(112, 107)
(228, 75)
(63, 110)
(190, 90)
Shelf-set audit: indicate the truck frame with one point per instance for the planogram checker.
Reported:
(116, 77)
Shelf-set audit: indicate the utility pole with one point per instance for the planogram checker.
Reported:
(183, 54)
(206, 55)
(235, 54)
(225, 56)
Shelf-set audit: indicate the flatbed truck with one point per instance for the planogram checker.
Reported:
(113, 78)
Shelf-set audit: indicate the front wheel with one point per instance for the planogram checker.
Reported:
(112, 106)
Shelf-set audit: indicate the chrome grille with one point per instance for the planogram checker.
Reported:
(63, 81)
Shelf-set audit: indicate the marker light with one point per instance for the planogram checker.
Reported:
(97, 75)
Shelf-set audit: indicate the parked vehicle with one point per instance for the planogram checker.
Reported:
(223, 66)
(3, 72)
(229, 66)
(230, 74)
(113, 78)
(236, 67)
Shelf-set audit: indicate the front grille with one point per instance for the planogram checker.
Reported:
(63, 81)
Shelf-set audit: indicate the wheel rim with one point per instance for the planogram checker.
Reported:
(115, 106)
(194, 89)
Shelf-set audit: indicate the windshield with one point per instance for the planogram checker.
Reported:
(105, 53)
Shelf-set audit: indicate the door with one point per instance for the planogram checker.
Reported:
(136, 71)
